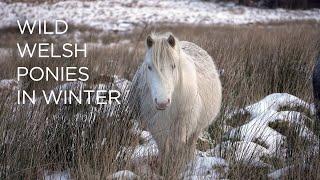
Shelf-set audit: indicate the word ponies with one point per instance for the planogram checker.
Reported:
(49, 51)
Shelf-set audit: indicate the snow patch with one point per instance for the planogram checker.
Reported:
(9, 84)
(57, 175)
(205, 168)
(148, 149)
(125, 174)
(277, 174)
(266, 111)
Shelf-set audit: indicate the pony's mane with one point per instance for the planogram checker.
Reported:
(162, 53)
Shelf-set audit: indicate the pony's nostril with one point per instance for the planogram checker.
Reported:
(162, 104)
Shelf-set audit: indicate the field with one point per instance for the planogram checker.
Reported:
(88, 142)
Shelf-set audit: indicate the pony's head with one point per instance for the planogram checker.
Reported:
(161, 65)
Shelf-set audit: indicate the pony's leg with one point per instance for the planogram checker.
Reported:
(172, 155)
(192, 141)
(162, 149)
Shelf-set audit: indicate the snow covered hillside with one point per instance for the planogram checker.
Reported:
(122, 15)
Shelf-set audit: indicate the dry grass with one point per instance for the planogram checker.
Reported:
(256, 60)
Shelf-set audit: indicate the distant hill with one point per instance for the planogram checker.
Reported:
(288, 4)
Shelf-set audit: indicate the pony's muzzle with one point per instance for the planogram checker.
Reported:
(162, 105)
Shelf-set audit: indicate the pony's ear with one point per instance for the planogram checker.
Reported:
(149, 41)
(171, 40)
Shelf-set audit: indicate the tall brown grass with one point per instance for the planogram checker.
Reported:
(256, 60)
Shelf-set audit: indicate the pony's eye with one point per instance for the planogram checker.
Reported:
(173, 66)
(149, 67)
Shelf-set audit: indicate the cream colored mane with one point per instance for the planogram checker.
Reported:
(162, 53)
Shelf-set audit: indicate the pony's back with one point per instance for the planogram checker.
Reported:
(201, 58)
(209, 85)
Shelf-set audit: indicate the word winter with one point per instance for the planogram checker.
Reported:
(70, 97)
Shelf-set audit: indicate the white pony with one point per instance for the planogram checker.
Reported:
(179, 92)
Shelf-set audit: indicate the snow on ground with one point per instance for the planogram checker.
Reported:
(277, 174)
(148, 149)
(57, 175)
(266, 111)
(123, 15)
(125, 174)
(273, 102)
(203, 167)
(123, 85)
(241, 151)
(9, 84)
(214, 163)
(246, 149)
